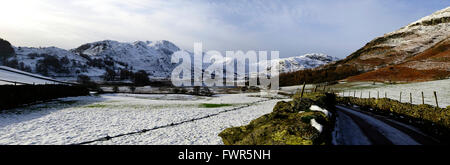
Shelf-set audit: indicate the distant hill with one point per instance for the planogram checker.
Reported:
(118, 61)
(306, 61)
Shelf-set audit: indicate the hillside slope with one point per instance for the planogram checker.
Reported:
(431, 64)
(416, 52)
(409, 41)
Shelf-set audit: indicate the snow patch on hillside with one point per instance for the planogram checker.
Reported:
(292, 64)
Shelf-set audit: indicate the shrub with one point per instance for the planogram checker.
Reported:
(83, 79)
(140, 78)
(11, 63)
(115, 89)
(86, 82)
(51, 63)
(125, 74)
(109, 75)
(132, 88)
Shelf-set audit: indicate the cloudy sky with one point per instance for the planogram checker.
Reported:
(293, 27)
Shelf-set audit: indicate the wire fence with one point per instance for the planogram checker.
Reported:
(430, 98)
(421, 97)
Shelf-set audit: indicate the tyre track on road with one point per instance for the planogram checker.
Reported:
(375, 137)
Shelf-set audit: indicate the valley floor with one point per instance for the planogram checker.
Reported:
(131, 119)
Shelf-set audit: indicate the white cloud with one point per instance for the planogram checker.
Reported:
(293, 27)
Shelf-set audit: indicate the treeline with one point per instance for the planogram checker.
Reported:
(6, 50)
(139, 78)
(12, 96)
(329, 74)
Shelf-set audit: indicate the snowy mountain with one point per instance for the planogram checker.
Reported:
(94, 59)
(152, 57)
(97, 58)
(400, 45)
(419, 51)
(50, 61)
(307, 61)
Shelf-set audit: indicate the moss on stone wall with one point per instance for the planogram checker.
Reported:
(288, 124)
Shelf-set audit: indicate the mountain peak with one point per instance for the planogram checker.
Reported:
(416, 52)
(397, 46)
(436, 16)
(164, 44)
(306, 61)
(320, 56)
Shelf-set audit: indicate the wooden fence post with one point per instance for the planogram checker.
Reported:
(378, 94)
(303, 89)
(361, 94)
(410, 97)
(423, 98)
(385, 95)
(369, 94)
(354, 93)
(400, 97)
(435, 98)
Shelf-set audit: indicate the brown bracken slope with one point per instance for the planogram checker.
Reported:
(432, 64)
(416, 52)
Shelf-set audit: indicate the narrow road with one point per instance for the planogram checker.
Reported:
(355, 127)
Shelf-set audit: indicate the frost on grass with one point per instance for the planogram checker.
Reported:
(79, 119)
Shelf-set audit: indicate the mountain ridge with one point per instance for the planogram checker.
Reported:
(96, 58)
(396, 55)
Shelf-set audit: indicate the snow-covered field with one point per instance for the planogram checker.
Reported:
(442, 88)
(80, 119)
